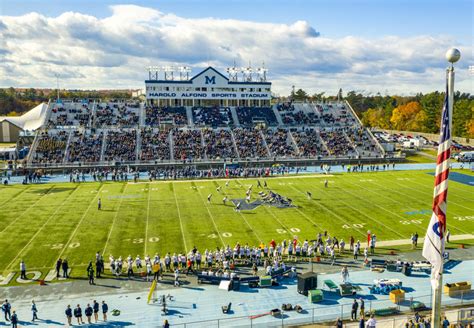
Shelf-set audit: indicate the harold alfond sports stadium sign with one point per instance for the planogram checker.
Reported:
(208, 95)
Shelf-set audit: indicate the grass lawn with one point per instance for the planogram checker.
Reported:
(39, 223)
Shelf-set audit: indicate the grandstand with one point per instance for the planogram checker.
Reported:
(201, 126)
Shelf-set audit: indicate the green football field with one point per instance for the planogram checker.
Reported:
(39, 223)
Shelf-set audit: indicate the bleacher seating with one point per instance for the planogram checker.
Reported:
(248, 116)
(212, 116)
(187, 145)
(155, 145)
(121, 145)
(289, 130)
(279, 143)
(85, 147)
(250, 143)
(165, 115)
(218, 144)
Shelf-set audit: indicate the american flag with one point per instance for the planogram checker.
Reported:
(433, 247)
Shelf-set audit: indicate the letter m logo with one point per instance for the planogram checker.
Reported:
(210, 80)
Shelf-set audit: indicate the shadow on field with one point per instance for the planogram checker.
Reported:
(49, 190)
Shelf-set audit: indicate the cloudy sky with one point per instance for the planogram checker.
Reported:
(364, 45)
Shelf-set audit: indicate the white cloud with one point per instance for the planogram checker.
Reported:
(112, 52)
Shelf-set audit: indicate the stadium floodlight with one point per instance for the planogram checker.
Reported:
(184, 72)
(168, 72)
(262, 73)
(153, 72)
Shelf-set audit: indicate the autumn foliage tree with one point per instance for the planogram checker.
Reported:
(409, 117)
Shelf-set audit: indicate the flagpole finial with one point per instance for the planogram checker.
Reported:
(453, 55)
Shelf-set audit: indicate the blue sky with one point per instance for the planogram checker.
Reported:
(334, 18)
(361, 32)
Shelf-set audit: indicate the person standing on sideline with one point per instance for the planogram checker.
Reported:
(448, 234)
(34, 311)
(78, 314)
(99, 204)
(14, 320)
(68, 313)
(176, 278)
(355, 307)
(65, 266)
(166, 324)
(88, 312)
(6, 307)
(445, 323)
(345, 274)
(371, 323)
(339, 323)
(362, 308)
(373, 240)
(362, 323)
(105, 308)
(58, 267)
(22, 270)
(96, 311)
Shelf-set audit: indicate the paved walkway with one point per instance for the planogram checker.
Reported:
(193, 302)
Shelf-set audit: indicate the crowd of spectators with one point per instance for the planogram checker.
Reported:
(218, 144)
(85, 147)
(337, 142)
(279, 143)
(363, 142)
(70, 114)
(154, 145)
(291, 116)
(248, 116)
(187, 145)
(121, 145)
(212, 116)
(51, 147)
(250, 143)
(154, 116)
(309, 143)
(117, 114)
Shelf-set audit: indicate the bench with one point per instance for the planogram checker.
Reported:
(249, 279)
(331, 285)
(280, 272)
(386, 311)
(210, 279)
(376, 263)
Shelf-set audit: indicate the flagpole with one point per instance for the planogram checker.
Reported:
(452, 55)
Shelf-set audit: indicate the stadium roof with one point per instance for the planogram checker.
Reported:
(31, 120)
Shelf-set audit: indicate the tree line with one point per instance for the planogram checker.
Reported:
(419, 113)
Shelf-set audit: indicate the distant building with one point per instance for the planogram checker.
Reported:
(11, 127)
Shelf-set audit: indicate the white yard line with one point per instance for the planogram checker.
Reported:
(147, 218)
(344, 221)
(78, 224)
(180, 220)
(26, 211)
(40, 229)
(395, 201)
(431, 192)
(365, 214)
(16, 195)
(212, 217)
(113, 221)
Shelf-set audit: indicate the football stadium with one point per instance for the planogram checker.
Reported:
(207, 200)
